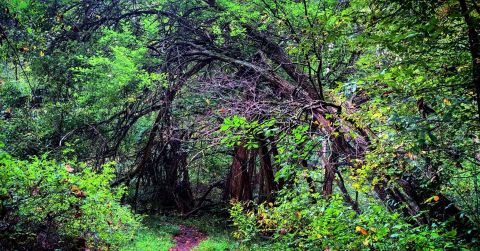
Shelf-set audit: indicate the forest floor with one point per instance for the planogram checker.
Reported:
(187, 239)
(172, 233)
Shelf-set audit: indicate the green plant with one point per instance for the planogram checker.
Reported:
(216, 244)
(296, 223)
(45, 204)
(239, 129)
(156, 235)
(244, 221)
(302, 219)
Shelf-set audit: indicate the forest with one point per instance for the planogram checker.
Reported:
(239, 125)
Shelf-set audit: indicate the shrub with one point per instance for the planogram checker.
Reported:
(46, 205)
(244, 221)
(302, 220)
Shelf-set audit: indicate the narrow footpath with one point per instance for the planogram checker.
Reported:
(187, 239)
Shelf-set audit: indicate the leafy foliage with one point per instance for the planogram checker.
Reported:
(46, 205)
(353, 123)
(301, 218)
(296, 223)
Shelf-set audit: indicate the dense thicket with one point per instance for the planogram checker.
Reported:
(344, 124)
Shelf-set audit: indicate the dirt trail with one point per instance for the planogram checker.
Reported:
(187, 239)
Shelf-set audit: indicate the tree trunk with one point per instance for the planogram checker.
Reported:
(238, 184)
(329, 174)
(266, 180)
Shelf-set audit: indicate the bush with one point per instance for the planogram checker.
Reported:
(244, 221)
(46, 205)
(302, 220)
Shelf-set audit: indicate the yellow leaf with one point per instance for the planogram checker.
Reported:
(411, 156)
(356, 186)
(74, 188)
(42, 53)
(298, 214)
(366, 242)
(361, 230)
(433, 198)
(447, 101)
(377, 115)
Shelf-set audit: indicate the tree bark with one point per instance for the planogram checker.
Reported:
(267, 179)
(238, 184)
